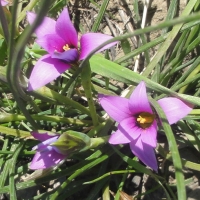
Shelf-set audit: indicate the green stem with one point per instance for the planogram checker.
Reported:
(16, 53)
(185, 163)
(93, 132)
(86, 83)
(169, 40)
(173, 149)
(195, 112)
(79, 171)
(14, 132)
(12, 167)
(49, 95)
(109, 174)
(106, 193)
(4, 24)
(95, 142)
(191, 75)
(22, 15)
(5, 117)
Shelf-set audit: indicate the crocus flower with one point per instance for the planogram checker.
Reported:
(4, 3)
(59, 38)
(137, 124)
(47, 155)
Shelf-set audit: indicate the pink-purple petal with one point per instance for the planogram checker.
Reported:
(46, 159)
(116, 107)
(46, 27)
(43, 136)
(130, 128)
(68, 56)
(90, 41)
(46, 70)
(145, 153)
(3, 3)
(43, 145)
(51, 43)
(149, 135)
(119, 138)
(65, 29)
(139, 100)
(174, 108)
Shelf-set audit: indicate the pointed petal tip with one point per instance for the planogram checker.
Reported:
(175, 109)
(66, 30)
(46, 159)
(32, 87)
(30, 16)
(142, 84)
(155, 169)
(29, 88)
(100, 95)
(118, 138)
(4, 3)
(139, 101)
(90, 41)
(145, 153)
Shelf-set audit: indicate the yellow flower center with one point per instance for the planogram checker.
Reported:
(66, 47)
(145, 119)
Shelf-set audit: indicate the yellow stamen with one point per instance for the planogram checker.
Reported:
(145, 119)
(66, 47)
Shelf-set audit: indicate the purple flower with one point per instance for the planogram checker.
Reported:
(59, 38)
(137, 125)
(47, 155)
(4, 3)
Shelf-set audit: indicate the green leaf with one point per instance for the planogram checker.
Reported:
(14, 132)
(173, 149)
(112, 70)
(100, 15)
(126, 46)
(3, 50)
(162, 50)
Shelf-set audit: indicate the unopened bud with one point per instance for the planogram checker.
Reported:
(71, 142)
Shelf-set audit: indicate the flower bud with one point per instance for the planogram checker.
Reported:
(71, 142)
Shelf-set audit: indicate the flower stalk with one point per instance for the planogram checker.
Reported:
(86, 83)
(173, 149)
(4, 22)
(96, 142)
